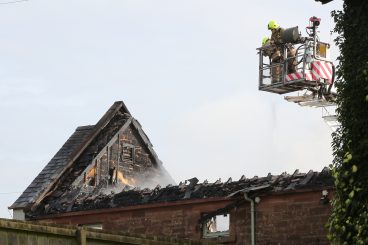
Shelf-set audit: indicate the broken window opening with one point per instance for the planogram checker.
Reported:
(217, 226)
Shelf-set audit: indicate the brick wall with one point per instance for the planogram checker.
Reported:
(297, 218)
(294, 218)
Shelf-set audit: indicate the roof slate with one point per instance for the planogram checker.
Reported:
(53, 168)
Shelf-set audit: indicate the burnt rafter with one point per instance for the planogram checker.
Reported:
(103, 150)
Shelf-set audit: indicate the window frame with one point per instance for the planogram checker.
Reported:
(130, 147)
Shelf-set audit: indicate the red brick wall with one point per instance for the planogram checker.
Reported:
(296, 218)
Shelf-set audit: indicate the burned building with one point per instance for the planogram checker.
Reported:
(102, 158)
(107, 176)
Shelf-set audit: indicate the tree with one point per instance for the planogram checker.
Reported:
(348, 223)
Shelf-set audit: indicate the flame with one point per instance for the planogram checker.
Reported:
(124, 180)
(90, 177)
(91, 173)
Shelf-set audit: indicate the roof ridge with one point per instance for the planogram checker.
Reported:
(85, 127)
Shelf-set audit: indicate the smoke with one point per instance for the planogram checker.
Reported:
(151, 178)
(154, 177)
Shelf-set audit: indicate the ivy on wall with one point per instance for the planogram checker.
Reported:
(348, 223)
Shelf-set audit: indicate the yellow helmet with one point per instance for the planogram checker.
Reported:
(265, 40)
(272, 25)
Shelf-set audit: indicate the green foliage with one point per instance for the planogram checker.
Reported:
(348, 223)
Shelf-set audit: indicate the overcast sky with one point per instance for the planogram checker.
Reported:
(187, 70)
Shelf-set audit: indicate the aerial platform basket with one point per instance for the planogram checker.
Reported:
(312, 72)
(300, 64)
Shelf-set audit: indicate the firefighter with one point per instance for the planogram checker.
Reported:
(277, 55)
(265, 41)
(270, 51)
(267, 49)
(275, 51)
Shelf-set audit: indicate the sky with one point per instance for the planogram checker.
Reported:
(187, 71)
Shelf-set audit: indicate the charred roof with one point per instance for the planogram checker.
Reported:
(76, 154)
(188, 190)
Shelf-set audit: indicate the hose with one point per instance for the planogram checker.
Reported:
(297, 52)
(332, 79)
